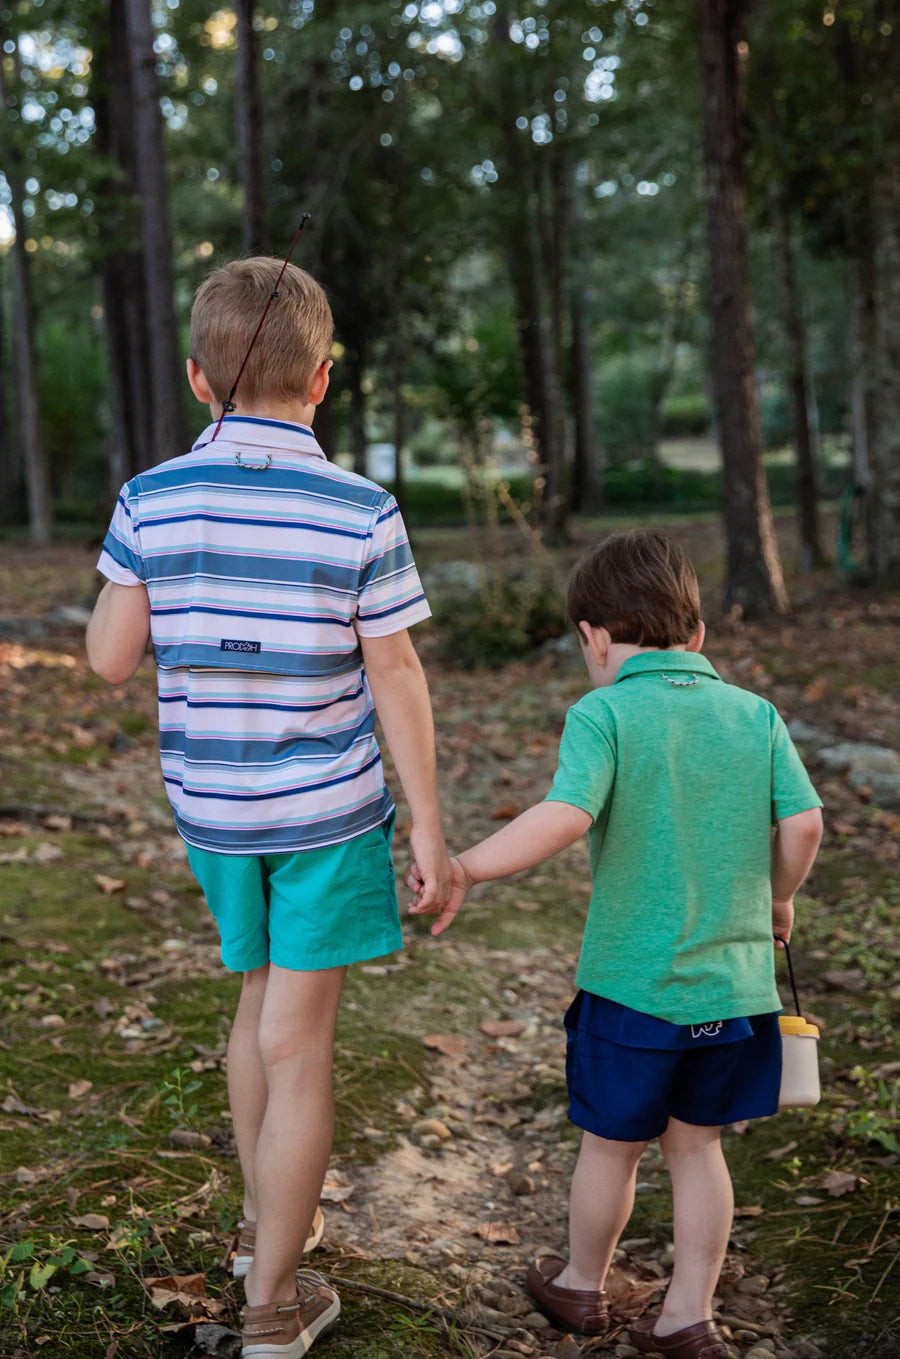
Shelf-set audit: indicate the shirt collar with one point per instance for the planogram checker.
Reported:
(256, 431)
(666, 663)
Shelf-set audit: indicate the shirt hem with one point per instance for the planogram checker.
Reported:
(257, 848)
(735, 1008)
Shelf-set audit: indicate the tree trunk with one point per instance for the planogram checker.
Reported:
(355, 369)
(164, 371)
(587, 484)
(324, 424)
(398, 364)
(754, 580)
(798, 384)
(28, 422)
(124, 292)
(248, 115)
(884, 514)
(12, 504)
(531, 291)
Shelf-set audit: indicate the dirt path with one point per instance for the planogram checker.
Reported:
(453, 1150)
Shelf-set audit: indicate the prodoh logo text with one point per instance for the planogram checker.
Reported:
(231, 644)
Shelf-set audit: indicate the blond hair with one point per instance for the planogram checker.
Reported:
(294, 341)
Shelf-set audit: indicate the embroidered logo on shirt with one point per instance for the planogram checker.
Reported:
(229, 644)
(706, 1030)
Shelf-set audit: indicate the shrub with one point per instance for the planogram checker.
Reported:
(504, 619)
(685, 417)
(623, 400)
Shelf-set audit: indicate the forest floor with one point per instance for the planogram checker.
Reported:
(453, 1151)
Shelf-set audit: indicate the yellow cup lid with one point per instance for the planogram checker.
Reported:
(795, 1024)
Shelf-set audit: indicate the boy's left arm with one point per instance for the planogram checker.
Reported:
(118, 631)
(536, 835)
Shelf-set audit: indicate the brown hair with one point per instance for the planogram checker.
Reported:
(295, 340)
(640, 586)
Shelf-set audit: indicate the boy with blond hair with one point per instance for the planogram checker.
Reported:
(277, 590)
(679, 780)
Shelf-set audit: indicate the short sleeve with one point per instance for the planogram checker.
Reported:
(792, 791)
(121, 560)
(391, 597)
(587, 766)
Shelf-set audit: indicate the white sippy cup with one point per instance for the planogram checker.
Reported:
(800, 1086)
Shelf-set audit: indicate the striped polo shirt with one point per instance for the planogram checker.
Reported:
(265, 564)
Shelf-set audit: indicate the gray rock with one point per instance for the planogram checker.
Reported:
(218, 1341)
(808, 735)
(72, 615)
(875, 767)
(535, 1321)
(754, 1285)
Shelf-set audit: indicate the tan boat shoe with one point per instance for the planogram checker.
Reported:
(245, 1244)
(286, 1330)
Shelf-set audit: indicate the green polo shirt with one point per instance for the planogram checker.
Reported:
(684, 776)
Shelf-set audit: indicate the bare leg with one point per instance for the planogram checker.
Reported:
(703, 1203)
(600, 1204)
(247, 1090)
(296, 1043)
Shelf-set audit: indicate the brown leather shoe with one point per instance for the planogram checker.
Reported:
(584, 1311)
(701, 1341)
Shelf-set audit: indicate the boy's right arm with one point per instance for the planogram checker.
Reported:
(118, 631)
(400, 693)
(794, 848)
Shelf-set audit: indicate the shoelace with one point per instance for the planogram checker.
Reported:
(310, 1280)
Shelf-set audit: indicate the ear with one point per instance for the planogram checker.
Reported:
(595, 642)
(199, 385)
(319, 385)
(695, 643)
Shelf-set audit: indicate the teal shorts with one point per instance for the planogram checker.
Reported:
(309, 910)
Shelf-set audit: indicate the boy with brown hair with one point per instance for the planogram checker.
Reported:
(277, 589)
(679, 780)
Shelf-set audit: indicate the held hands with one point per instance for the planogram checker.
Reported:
(435, 878)
(444, 907)
(782, 920)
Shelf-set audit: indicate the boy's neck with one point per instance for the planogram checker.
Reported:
(619, 653)
(291, 412)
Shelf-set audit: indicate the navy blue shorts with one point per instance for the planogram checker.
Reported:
(708, 1075)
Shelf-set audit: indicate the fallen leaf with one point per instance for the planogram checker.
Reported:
(502, 1028)
(807, 1200)
(839, 1182)
(92, 1222)
(58, 822)
(46, 852)
(194, 1284)
(630, 1292)
(187, 1137)
(337, 1188)
(447, 1044)
(78, 1089)
(505, 812)
(779, 1153)
(188, 1291)
(752, 1210)
(109, 885)
(498, 1233)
